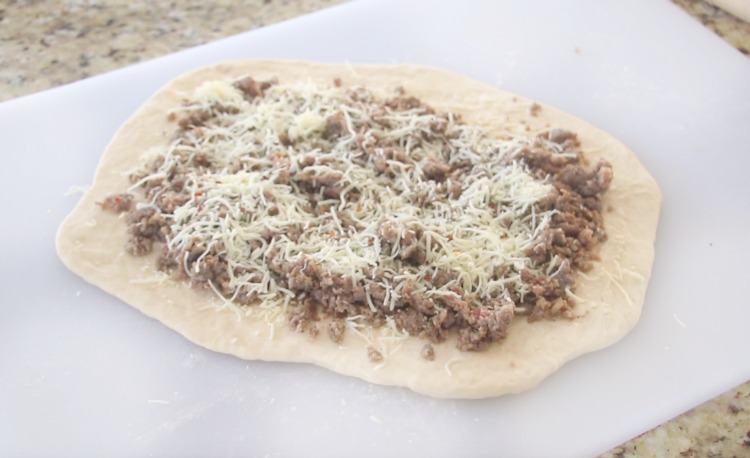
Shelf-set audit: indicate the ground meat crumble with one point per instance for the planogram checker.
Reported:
(565, 245)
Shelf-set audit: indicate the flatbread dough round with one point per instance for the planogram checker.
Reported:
(91, 243)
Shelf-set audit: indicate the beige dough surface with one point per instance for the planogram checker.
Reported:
(91, 243)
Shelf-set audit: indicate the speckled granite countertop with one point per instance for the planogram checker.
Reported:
(45, 43)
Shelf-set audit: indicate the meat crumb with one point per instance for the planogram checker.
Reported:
(336, 331)
(335, 126)
(428, 352)
(118, 203)
(534, 109)
(252, 88)
(434, 168)
(374, 355)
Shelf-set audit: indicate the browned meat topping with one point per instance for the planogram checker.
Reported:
(251, 88)
(312, 180)
(374, 355)
(336, 330)
(118, 203)
(428, 352)
(145, 226)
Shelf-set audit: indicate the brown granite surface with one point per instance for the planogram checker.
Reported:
(44, 44)
(735, 31)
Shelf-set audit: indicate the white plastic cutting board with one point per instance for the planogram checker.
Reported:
(82, 374)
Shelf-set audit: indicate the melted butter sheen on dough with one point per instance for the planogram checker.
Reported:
(610, 296)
